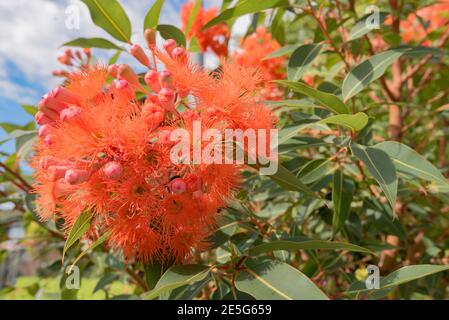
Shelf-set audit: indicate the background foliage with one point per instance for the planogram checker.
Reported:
(363, 180)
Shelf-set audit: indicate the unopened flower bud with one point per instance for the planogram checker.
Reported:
(152, 80)
(124, 86)
(63, 95)
(126, 73)
(76, 176)
(70, 113)
(57, 172)
(166, 97)
(150, 37)
(179, 53)
(44, 131)
(113, 70)
(41, 118)
(113, 170)
(138, 53)
(153, 114)
(166, 79)
(178, 186)
(169, 45)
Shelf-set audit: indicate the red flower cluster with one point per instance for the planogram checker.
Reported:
(215, 38)
(105, 150)
(254, 49)
(418, 25)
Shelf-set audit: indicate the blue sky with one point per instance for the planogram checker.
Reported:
(31, 33)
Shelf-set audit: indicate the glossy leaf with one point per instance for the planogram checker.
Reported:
(171, 32)
(245, 7)
(301, 60)
(381, 167)
(363, 26)
(326, 100)
(355, 122)
(110, 16)
(92, 43)
(289, 181)
(178, 276)
(342, 193)
(152, 18)
(273, 280)
(78, 230)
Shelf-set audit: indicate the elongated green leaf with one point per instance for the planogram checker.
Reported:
(178, 276)
(355, 122)
(152, 18)
(289, 132)
(196, 8)
(326, 100)
(368, 71)
(410, 163)
(92, 43)
(284, 51)
(364, 26)
(314, 170)
(245, 7)
(381, 167)
(79, 228)
(342, 193)
(95, 244)
(401, 276)
(294, 244)
(171, 32)
(302, 59)
(32, 110)
(272, 280)
(289, 181)
(110, 16)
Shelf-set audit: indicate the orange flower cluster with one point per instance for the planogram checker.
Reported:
(215, 38)
(434, 17)
(105, 150)
(254, 49)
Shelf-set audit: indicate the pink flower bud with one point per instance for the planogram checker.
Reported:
(179, 53)
(76, 176)
(150, 37)
(124, 86)
(183, 93)
(138, 53)
(152, 80)
(113, 170)
(166, 79)
(126, 73)
(63, 95)
(178, 186)
(169, 45)
(44, 131)
(41, 118)
(48, 140)
(113, 70)
(153, 114)
(70, 113)
(166, 97)
(57, 172)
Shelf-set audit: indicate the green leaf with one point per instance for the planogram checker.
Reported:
(314, 170)
(79, 228)
(17, 134)
(410, 164)
(326, 100)
(368, 71)
(381, 167)
(110, 16)
(32, 110)
(289, 181)
(295, 244)
(108, 278)
(95, 244)
(286, 50)
(355, 122)
(401, 276)
(274, 280)
(171, 32)
(302, 59)
(114, 58)
(362, 28)
(92, 43)
(152, 17)
(245, 7)
(342, 193)
(178, 276)
(196, 8)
